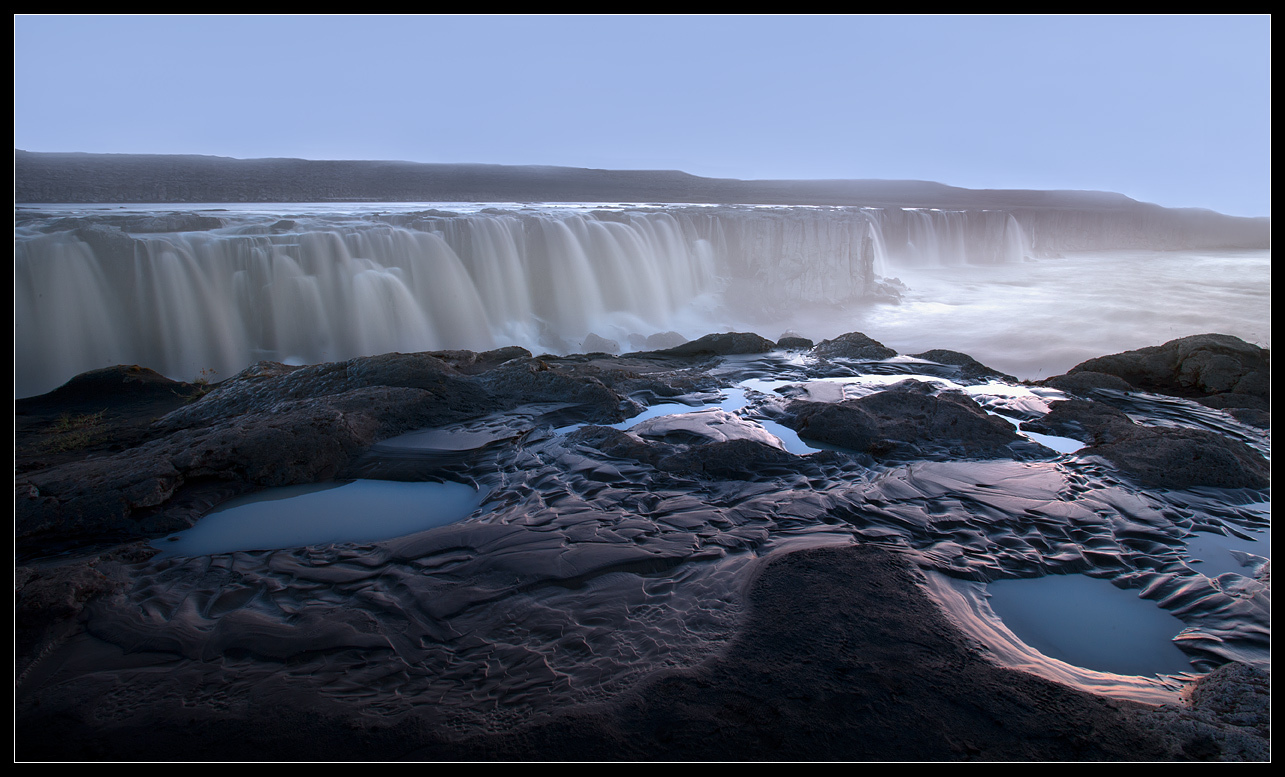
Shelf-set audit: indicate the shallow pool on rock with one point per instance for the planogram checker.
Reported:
(1217, 554)
(294, 516)
(1089, 623)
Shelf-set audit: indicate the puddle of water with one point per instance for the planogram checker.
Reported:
(733, 399)
(1015, 398)
(788, 437)
(1090, 623)
(859, 386)
(294, 516)
(1059, 444)
(1014, 401)
(656, 411)
(446, 439)
(1215, 554)
(764, 386)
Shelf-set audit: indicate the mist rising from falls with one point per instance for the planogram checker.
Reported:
(345, 281)
(332, 287)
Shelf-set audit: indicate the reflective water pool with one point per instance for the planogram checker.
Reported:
(294, 516)
(1090, 623)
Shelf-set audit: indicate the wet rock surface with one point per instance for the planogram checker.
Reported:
(968, 366)
(723, 345)
(905, 422)
(1156, 456)
(1200, 366)
(794, 343)
(853, 345)
(688, 586)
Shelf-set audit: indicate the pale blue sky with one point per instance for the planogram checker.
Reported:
(1173, 110)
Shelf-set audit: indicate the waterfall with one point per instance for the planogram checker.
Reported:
(334, 284)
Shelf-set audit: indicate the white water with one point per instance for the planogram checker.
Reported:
(343, 281)
(1038, 318)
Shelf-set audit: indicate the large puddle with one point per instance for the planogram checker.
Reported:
(1089, 623)
(294, 516)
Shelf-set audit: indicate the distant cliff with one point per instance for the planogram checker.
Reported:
(1100, 219)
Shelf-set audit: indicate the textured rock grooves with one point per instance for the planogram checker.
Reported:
(687, 589)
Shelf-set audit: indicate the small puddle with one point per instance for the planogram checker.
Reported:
(1090, 623)
(657, 411)
(315, 514)
(1216, 554)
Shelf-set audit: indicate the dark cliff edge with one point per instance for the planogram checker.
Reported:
(154, 178)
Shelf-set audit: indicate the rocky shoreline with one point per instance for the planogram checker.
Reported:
(786, 640)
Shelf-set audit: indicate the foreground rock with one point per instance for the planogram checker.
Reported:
(1219, 371)
(1158, 457)
(272, 425)
(906, 422)
(1201, 365)
(725, 344)
(968, 366)
(841, 657)
(853, 345)
(685, 589)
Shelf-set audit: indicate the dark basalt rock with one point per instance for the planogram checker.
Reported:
(620, 445)
(107, 242)
(263, 386)
(291, 441)
(1160, 457)
(730, 460)
(109, 384)
(1082, 420)
(690, 454)
(1246, 408)
(473, 363)
(1182, 458)
(841, 630)
(1197, 366)
(968, 366)
(905, 422)
(726, 344)
(49, 596)
(1086, 381)
(101, 412)
(519, 382)
(273, 425)
(595, 537)
(853, 345)
(793, 343)
(1238, 692)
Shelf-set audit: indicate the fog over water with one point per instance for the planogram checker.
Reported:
(1039, 317)
(225, 286)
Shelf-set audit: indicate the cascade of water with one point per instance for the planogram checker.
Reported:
(1017, 247)
(332, 287)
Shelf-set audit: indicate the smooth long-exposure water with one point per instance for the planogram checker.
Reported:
(625, 541)
(102, 285)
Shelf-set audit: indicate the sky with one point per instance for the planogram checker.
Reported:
(1174, 110)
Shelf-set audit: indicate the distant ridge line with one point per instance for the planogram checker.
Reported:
(76, 177)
